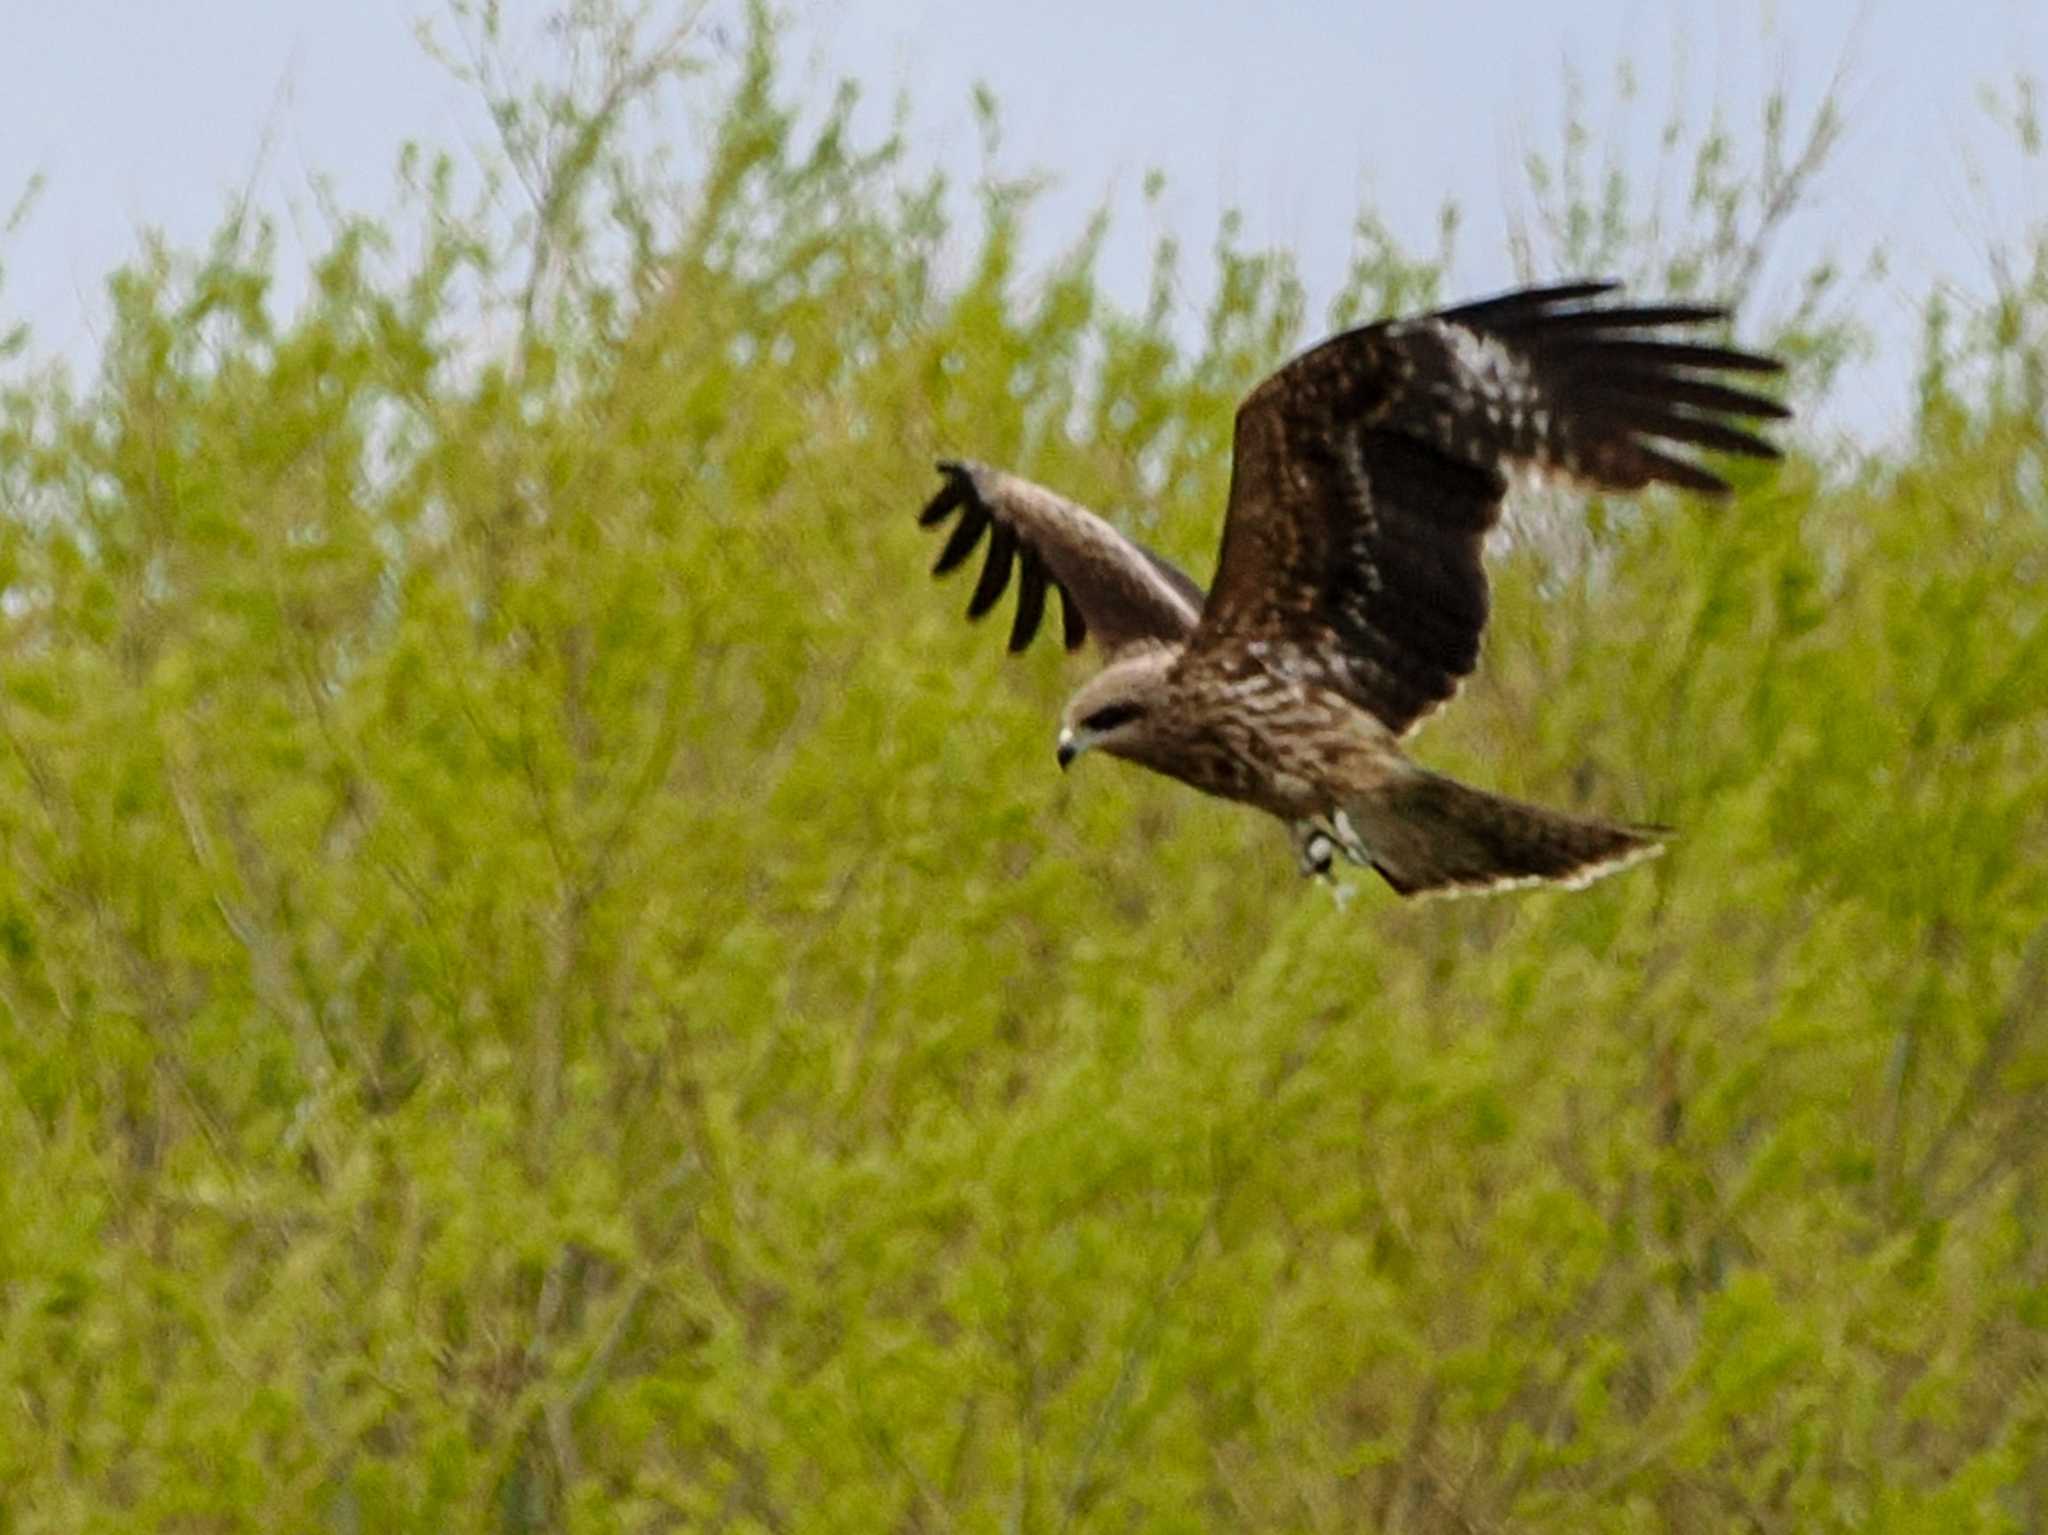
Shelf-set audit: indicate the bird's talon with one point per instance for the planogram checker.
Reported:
(1316, 851)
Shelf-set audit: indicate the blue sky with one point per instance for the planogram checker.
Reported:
(155, 114)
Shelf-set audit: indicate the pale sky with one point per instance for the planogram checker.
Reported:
(156, 114)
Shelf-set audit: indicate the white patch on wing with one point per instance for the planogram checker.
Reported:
(1491, 363)
(1492, 384)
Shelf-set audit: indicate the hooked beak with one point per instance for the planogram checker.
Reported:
(1071, 746)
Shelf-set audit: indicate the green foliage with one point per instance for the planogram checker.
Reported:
(546, 981)
(1706, 216)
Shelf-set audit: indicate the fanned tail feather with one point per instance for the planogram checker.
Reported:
(1427, 834)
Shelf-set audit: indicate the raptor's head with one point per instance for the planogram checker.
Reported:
(1121, 709)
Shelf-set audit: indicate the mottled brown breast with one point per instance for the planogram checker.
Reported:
(1245, 729)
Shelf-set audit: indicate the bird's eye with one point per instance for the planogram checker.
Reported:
(1110, 716)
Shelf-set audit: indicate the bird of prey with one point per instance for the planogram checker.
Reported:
(1349, 594)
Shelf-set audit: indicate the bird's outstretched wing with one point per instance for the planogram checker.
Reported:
(1369, 469)
(1110, 586)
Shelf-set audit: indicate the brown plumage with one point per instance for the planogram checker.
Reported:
(1350, 593)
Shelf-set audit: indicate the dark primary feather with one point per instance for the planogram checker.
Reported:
(1030, 602)
(1073, 627)
(1108, 584)
(995, 574)
(1591, 388)
(1369, 469)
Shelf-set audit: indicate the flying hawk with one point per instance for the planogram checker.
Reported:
(1349, 593)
